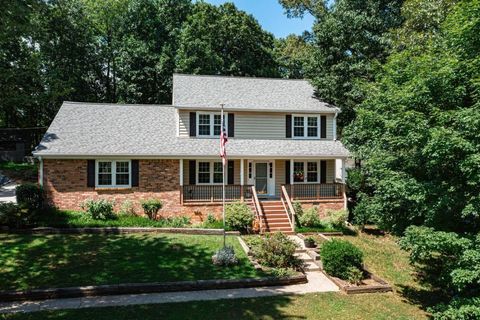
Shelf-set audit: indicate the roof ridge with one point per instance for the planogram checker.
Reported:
(115, 104)
(237, 77)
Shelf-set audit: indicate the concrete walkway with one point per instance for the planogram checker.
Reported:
(317, 282)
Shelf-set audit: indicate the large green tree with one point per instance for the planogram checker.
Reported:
(418, 132)
(225, 40)
(349, 39)
(293, 54)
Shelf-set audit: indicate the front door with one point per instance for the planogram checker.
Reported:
(261, 177)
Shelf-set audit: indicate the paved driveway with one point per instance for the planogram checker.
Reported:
(7, 192)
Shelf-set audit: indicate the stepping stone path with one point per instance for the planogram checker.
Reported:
(309, 257)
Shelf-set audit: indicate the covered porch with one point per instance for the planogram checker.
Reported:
(305, 180)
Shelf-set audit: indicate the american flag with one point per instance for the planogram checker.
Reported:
(223, 140)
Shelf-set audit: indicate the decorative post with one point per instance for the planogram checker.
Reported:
(180, 179)
(242, 180)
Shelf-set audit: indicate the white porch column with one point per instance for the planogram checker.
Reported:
(242, 178)
(291, 179)
(344, 187)
(180, 179)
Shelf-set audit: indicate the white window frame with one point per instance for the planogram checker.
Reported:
(305, 126)
(305, 171)
(212, 125)
(113, 174)
(211, 172)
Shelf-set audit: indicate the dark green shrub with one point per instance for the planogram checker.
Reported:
(151, 207)
(238, 216)
(11, 215)
(99, 209)
(339, 256)
(276, 251)
(29, 196)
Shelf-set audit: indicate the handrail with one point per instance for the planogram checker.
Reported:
(258, 208)
(289, 207)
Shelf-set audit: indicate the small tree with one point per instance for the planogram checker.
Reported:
(151, 207)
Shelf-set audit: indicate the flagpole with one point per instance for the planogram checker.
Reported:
(223, 184)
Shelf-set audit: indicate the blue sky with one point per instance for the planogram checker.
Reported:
(271, 16)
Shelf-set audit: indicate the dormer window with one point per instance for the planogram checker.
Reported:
(209, 124)
(306, 126)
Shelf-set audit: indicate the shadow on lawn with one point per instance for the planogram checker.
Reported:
(252, 308)
(31, 261)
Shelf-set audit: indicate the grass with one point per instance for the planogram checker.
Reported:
(77, 219)
(317, 229)
(19, 171)
(310, 306)
(34, 261)
(382, 256)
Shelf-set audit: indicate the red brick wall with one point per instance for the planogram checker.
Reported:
(65, 182)
(322, 206)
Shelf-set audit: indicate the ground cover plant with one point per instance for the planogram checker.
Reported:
(39, 261)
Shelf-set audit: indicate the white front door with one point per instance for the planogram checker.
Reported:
(264, 177)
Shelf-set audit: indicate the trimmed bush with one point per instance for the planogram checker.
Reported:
(151, 207)
(339, 256)
(238, 216)
(99, 209)
(225, 257)
(276, 251)
(29, 196)
(336, 218)
(310, 218)
(12, 216)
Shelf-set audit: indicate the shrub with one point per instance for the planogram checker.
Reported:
(355, 275)
(212, 223)
(238, 216)
(127, 208)
(276, 251)
(12, 216)
(339, 256)
(151, 207)
(310, 218)
(176, 222)
(297, 207)
(99, 209)
(225, 257)
(336, 218)
(29, 196)
(309, 242)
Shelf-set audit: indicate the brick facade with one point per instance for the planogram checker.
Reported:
(65, 183)
(324, 205)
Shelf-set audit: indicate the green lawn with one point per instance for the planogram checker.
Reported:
(38, 261)
(382, 256)
(311, 306)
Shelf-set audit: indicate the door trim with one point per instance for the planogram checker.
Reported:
(270, 180)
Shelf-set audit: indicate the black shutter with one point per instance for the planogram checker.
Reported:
(192, 167)
(231, 125)
(91, 173)
(135, 173)
(287, 172)
(323, 127)
(323, 171)
(288, 125)
(230, 172)
(193, 124)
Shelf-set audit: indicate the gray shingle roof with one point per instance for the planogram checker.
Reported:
(89, 129)
(246, 93)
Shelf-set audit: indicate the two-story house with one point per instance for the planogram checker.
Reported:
(282, 147)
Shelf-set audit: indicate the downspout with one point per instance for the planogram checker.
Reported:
(40, 172)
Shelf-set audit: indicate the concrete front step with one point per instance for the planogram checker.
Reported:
(303, 256)
(311, 266)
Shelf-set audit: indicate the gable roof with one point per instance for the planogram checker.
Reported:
(246, 93)
(115, 130)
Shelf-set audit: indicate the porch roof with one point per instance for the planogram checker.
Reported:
(114, 130)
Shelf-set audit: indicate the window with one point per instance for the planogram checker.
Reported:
(113, 173)
(204, 172)
(311, 174)
(210, 124)
(298, 172)
(209, 172)
(312, 171)
(306, 127)
(250, 164)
